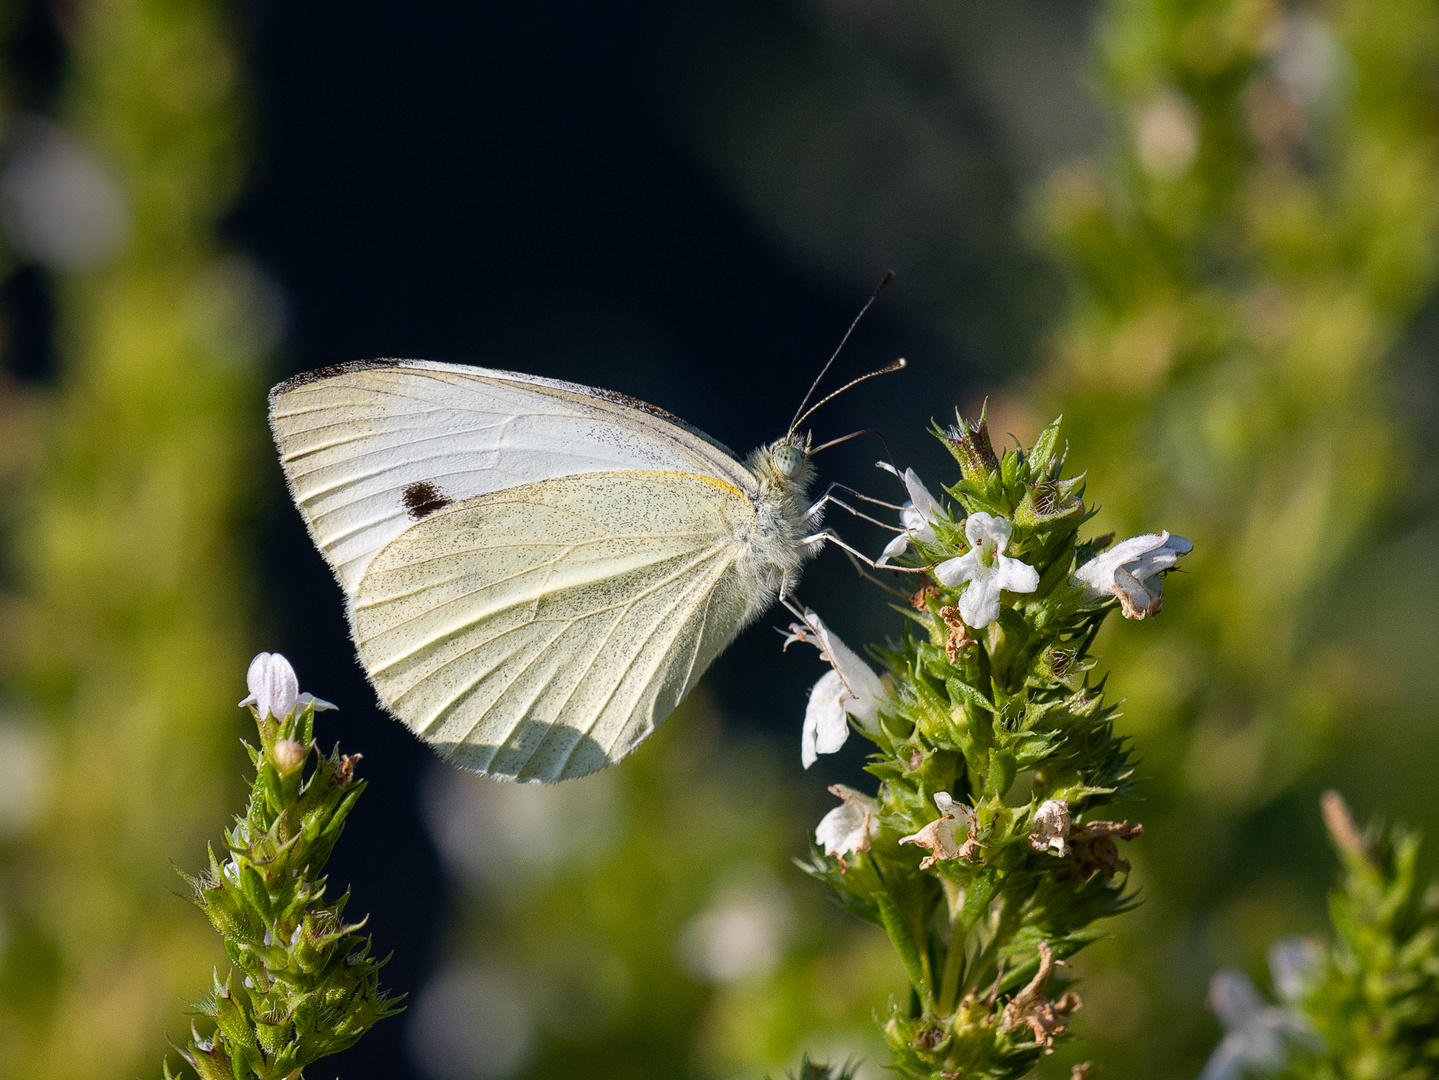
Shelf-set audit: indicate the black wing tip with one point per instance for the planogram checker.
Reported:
(330, 371)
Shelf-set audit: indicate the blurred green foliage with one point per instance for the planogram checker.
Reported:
(1372, 995)
(124, 600)
(1244, 267)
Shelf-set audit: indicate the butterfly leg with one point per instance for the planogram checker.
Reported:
(829, 497)
(813, 512)
(833, 537)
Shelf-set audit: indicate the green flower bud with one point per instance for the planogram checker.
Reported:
(288, 755)
(969, 443)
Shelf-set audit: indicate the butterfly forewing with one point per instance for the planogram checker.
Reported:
(542, 631)
(371, 448)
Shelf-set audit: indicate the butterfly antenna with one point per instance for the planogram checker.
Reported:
(854, 435)
(888, 277)
(894, 365)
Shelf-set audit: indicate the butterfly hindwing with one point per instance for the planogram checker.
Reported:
(542, 631)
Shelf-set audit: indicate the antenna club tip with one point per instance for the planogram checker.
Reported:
(888, 277)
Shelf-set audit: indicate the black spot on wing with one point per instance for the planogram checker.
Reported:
(422, 499)
(329, 372)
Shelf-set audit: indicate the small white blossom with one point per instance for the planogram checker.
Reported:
(850, 687)
(1256, 1034)
(274, 688)
(917, 515)
(1292, 963)
(938, 836)
(1131, 571)
(986, 569)
(1051, 827)
(850, 827)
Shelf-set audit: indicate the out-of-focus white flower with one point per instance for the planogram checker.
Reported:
(1051, 827)
(917, 515)
(986, 569)
(1167, 135)
(1292, 962)
(938, 836)
(1256, 1034)
(471, 1023)
(743, 933)
(1309, 61)
(26, 773)
(60, 201)
(850, 687)
(495, 836)
(1130, 571)
(850, 827)
(275, 689)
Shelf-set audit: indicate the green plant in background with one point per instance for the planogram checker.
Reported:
(990, 719)
(1365, 1003)
(813, 1070)
(1372, 995)
(308, 986)
(1243, 273)
(125, 564)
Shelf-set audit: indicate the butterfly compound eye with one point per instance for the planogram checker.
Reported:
(788, 459)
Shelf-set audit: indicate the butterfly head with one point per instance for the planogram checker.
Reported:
(784, 463)
(789, 458)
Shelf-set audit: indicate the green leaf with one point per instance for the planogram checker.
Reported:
(896, 924)
(1002, 770)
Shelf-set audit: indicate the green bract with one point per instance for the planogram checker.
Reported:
(994, 735)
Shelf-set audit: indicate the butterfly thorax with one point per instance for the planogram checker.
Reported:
(776, 554)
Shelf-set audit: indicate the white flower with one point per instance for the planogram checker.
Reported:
(1131, 572)
(1292, 963)
(917, 515)
(939, 836)
(1256, 1034)
(851, 686)
(1051, 827)
(987, 570)
(850, 827)
(274, 688)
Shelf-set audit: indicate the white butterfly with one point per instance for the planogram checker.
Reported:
(536, 571)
